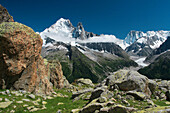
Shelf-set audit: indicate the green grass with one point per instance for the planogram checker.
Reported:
(52, 104)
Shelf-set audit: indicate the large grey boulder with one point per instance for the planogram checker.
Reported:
(128, 80)
(80, 92)
(83, 81)
(121, 109)
(92, 107)
(137, 95)
(152, 85)
(164, 84)
(101, 92)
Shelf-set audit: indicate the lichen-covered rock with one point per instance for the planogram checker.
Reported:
(92, 107)
(137, 95)
(5, 16)
(121, 109)
(5, 104)
(21, 65)
(164, 84)
(128, 80)
(56, 74)
(152, 85)
(159, 109)
(84, 82)
(80, 92)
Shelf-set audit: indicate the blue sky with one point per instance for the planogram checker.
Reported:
(115, 17)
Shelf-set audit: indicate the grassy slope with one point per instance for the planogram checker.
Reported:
(160, 68)
(77, 65)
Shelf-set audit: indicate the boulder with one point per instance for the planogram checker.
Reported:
(56, 74)
(121, 109)
(80, 92)
(128, 80)
(137, 95)
(97, 93)
(83, 81)
(21, 65)
(5, 16)
(164, 84)
(152, 85)
(91, 107)
(159, 109)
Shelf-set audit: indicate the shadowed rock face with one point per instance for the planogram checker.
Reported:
(5, 16)
(21, 65)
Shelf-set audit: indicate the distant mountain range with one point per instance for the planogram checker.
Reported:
(137, 43)
(79, 50)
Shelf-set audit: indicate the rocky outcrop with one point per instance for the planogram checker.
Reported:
(128, 80)
(83, 81)
(21, 65)
(5, 16)
(56, 74)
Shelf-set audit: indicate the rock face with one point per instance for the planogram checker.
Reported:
(56, 74)
(21, 65)
(129, 80)
(5, 16)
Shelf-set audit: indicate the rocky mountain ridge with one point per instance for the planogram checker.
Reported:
(142, 44)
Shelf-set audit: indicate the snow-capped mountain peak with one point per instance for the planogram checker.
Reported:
(143, 43)
(60, 31)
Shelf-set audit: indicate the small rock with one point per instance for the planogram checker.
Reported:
(12, 111)
(22, 91)
(129, 97)
(60, 103)
(118, 97)
(48, 97)
(19, 102)
(38, 100)
(5, 104)
(30, 107)
(25, 105)
(59, 111)
(167, 103)
(156, 97)
(102, 99)
(7, 100)
(113, 99)
(104, 110)
(31, 96)
(59, 95)
(14, 106)
(35, 103)
(75, 110)
(162, 96)
(3, 93)
(44, 107)
(44, 102)
(125, 101)
(7, 92)
(34, 109)
(150, 102)
(26, 100)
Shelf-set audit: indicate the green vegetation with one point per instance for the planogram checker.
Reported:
(11, 27)
(159, 69)
(65, 104)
